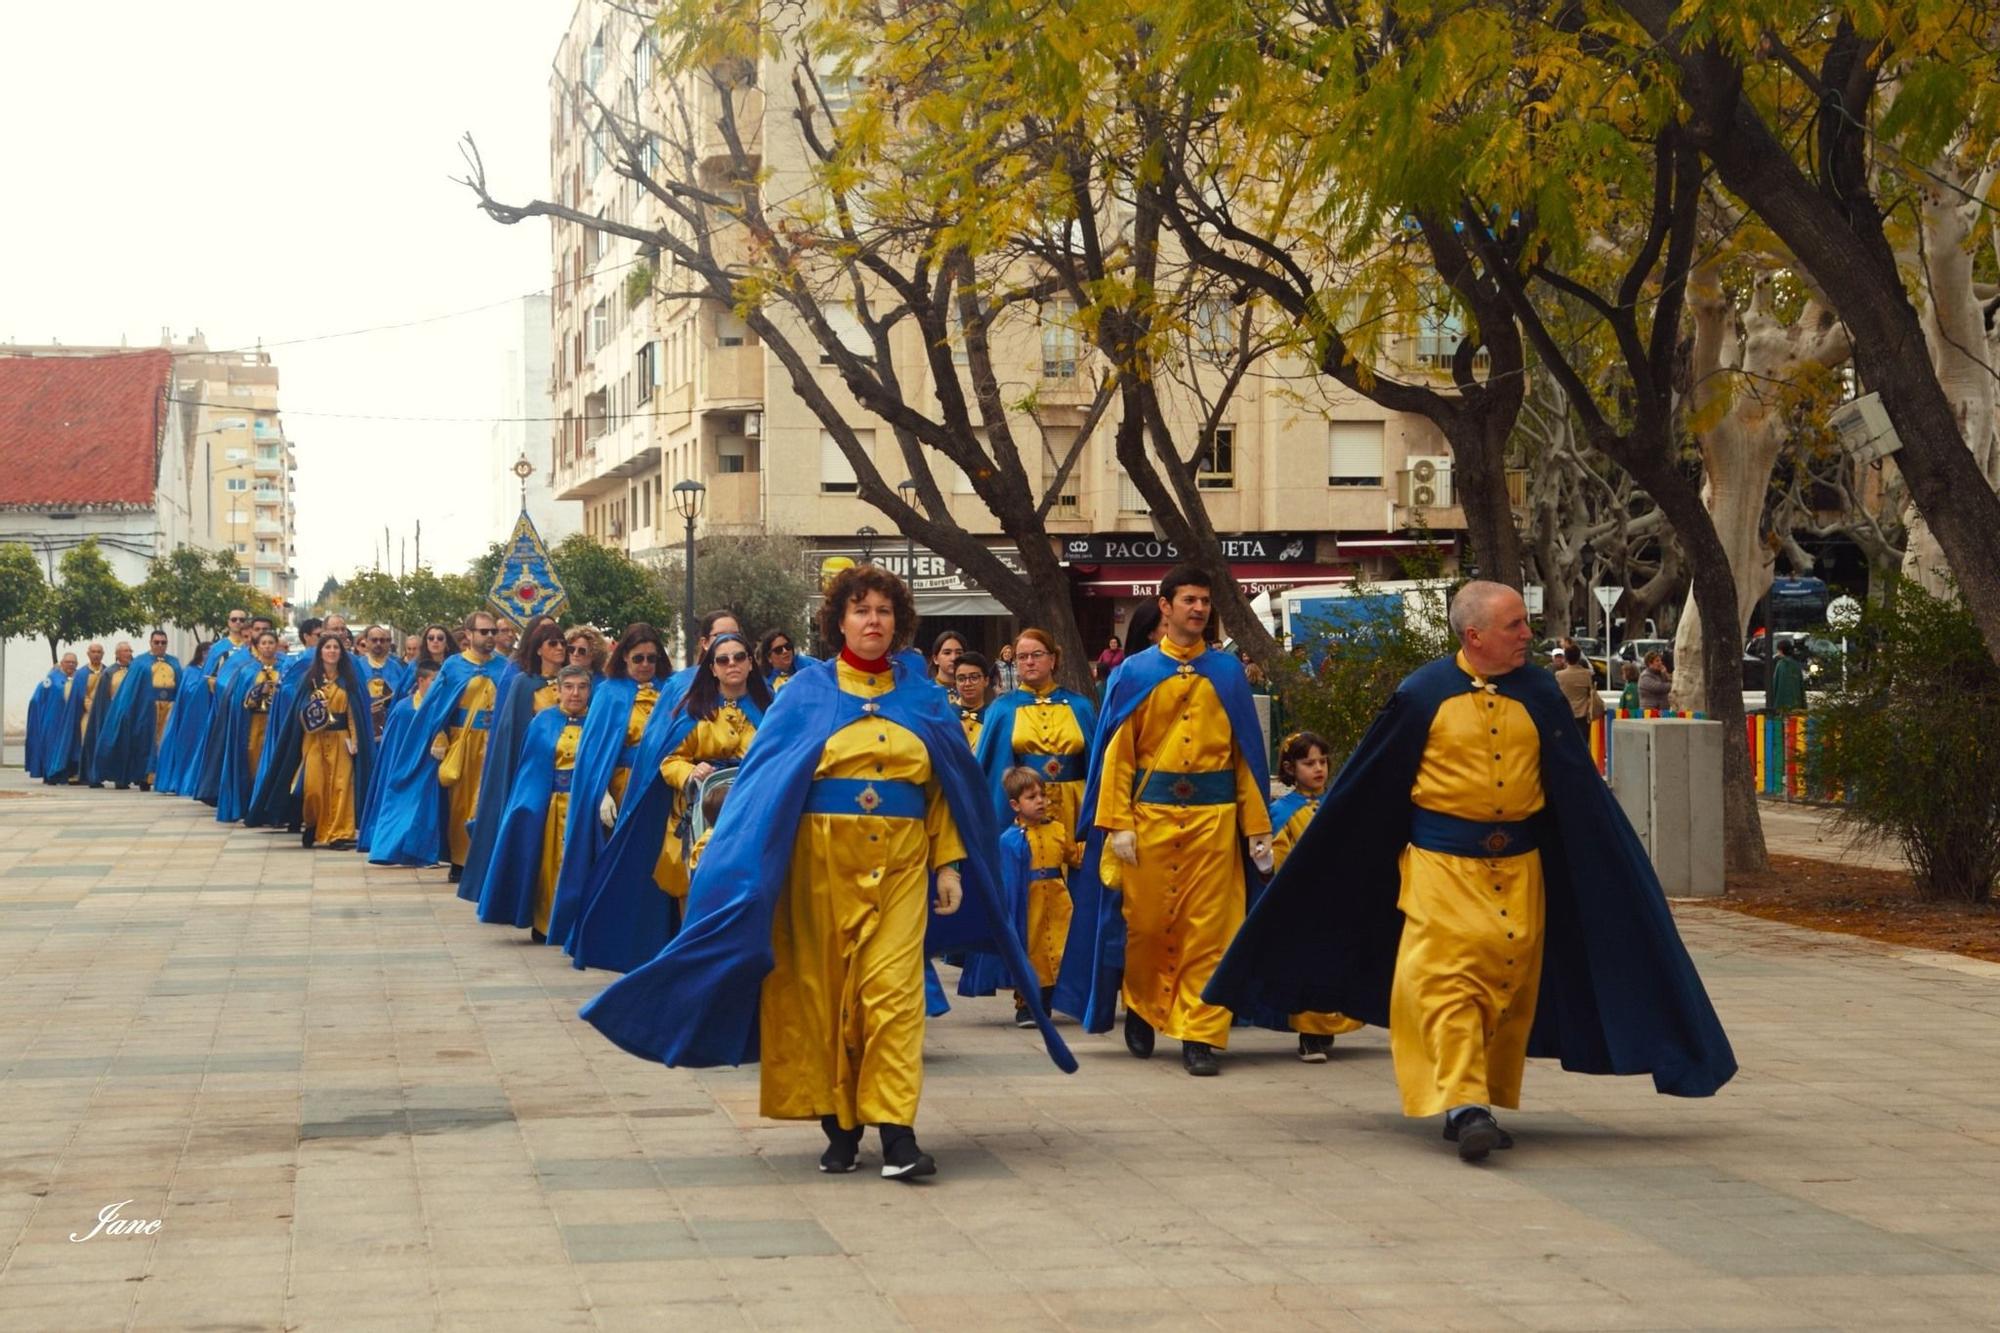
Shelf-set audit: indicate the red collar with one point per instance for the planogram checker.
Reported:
(877, 667)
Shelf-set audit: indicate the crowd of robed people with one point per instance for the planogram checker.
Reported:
(777, 852)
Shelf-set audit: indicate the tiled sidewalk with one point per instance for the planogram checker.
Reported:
(350, 1106)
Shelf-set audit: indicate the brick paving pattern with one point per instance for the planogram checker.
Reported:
(351, 1107)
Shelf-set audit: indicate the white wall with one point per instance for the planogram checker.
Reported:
(527, 395)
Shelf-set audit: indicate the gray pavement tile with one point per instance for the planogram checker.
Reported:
(167, 986)
(623, 1242)
(555, 991)
(597, 1173)
(781, 1238)
(60, 870)
(36, 905)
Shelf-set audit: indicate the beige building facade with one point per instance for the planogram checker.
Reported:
(1308, 486)
(242, 464)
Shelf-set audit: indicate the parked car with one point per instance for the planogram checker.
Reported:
(1593, 653)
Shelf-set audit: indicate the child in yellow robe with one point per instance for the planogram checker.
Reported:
(1304, 765)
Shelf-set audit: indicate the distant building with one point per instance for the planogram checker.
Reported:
(243, 464)
(91, 445)
(529, 431)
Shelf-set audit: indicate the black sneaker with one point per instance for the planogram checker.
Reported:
(306, 838)
(1138, 1036)
(843, 1147)
(902, 1159)
(1022, 1018)
(1476, 1133)
(1198, 1058)
(457, 874)
(537, 936)
(1314, 1048)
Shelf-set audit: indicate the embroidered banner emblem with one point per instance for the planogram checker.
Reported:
(526, 585)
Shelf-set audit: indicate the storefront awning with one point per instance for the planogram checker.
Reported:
(1253, 578)
(960, 603)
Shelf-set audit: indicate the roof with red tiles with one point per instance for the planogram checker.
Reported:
(82, 431)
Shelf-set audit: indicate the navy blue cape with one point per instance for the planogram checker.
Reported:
(188, 720)
(126, 747)
(409, 813)
(507, 897)
(103, 711)
(597, 756)
(62, 753)
(696, 1004)
(1619, 994)
(1093, 965)
(45, 705)
(514, 710)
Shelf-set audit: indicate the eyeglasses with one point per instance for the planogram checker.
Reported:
(979, 679)
(576, 648)
(734, 659)
(1035, 656)
(780, 648)
(488, 630)
(637, 658)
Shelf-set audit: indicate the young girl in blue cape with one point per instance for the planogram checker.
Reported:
(810, 915)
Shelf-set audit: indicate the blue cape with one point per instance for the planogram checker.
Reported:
(191, 739)
(275, 796)
(188, 720)
(800, 661)
(410, 816)
(103, 707)
(1284, 808)
(395, 731)
(45, 705)
(125, 747)
(984, 972)
(507, 897)
(62, 752)
(1093, 965)
(514, 710)
(208, 780)
(625, 918)
(697, 1002)
(1619, 994)
(394, 670)
(996, 742)
(597, 756)
(235, 778)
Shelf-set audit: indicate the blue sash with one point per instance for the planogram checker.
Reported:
(627, 756)
(562, 780)
(1480, 839)
(1215, 787)
(859, 796)
(1054, 767)
(478, 719)
(1046, 872)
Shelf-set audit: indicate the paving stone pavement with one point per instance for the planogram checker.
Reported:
(350, 1106)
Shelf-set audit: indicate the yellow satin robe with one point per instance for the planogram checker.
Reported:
(727, 735)
(635, 727)
(260, 713)
(1184, 900)
(1282, 842)
(1049, 727)
(379, 692)
(164, 678)
(464, 760)
(1470, 961)
(974, 722)
(842, 1014)
(328, 809)
(553, 824)
(1051, 846)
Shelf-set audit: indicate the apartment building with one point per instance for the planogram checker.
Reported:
(1307, 485)
(242, 463)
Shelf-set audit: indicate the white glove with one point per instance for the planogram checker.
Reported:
(1260, 852)
(1125, 846)
(607, 811)
(950, 891)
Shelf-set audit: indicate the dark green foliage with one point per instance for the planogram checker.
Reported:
(1337, 679)
(1913, 741)
(764, 579)
(194, 589)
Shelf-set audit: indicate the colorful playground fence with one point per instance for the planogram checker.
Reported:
(1782, 749)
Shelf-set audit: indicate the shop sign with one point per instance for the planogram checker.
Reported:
(926, 571)
(1118, 548)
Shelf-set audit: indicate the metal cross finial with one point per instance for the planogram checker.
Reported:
(524, 470)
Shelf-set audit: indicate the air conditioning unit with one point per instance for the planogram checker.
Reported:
(753, 424)
(1425, 483)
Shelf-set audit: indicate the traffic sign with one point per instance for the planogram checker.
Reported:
(1608, 597)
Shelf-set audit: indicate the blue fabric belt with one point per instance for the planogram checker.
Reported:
(1216, 787)
(1477, 838)
(628, 756)
(562, 780)
(479, 719)
(1054, 767)
(1046, 872)
(165, 694)
(857, 796)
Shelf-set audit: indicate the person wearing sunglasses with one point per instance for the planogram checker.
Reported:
(445, 747)
(778, 658)
(586, 648)
(529, 690)
(625, 918)
(383, 675)
(810, 914)
(620, 707)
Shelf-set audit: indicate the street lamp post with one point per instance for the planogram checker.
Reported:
(688, 496)
(906, 490)
(866, 535)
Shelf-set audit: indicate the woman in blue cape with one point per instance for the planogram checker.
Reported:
(246, 718)
(526, 857)
(632, 902)
(207, 771)
(395, 734)
(621, 707)
(274, 792)
(329, 744)
(531, 689)
(412, 810)
(779, 658)
(45, 706)
(188, 718)
(810, 914)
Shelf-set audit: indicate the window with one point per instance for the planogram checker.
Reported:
(238, 484)
(836, 474)
(730, 330)
(593, 151)
(1438, 338)
(263, 578)
(846, 326)
(645, 61)
(600, 324)
(242, 548)
(1218, 471)
(237, 516)
(1356, 454)
(1130, 500)
(593, 58)
(649, 370)
(238, 455)
(1215, 329)
(1059, 340)
(839, 81)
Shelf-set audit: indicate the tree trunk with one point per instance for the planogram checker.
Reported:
(1479, 450)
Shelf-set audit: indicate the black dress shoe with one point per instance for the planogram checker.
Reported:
(305, 837)
(902, 1159)
(537, 936)
(843, 1147)
(1314, 1048)
(457, 874)
(1476, 1133)
(341, 845)
(1138, 1036)
(1198, 1058)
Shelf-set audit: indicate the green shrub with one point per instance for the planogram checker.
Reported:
(1913, 739)
(1336, 678)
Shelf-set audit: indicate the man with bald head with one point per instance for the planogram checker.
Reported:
(1470, 884)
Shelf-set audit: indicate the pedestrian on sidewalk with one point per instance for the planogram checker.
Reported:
(1656, 685)
(1579, 686)
(1788, 681)
(1419, 898)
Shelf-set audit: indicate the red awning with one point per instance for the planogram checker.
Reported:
(1144, 580)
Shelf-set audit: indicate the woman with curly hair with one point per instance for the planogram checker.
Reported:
(810, 915)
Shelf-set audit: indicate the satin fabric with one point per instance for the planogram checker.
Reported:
(522, 698)
(327, 770)
(1055, 721)
(524, 852)
(130, 736)
(62, 756)
(188, 720)
(724, 738)
(45, 706)
(409, 813)
(605, 728)
(465, 760)
(244, 720)
(1041, 906)
(98, 707)
(1290, 814)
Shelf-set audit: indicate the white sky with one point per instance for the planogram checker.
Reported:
(276, 169)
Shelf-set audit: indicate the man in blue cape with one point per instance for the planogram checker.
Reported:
(62, 755)
(188, 720)
(511, 720)
(129, 745)
(207, 768)
(511, 877)
(1470, 884)
(1175, 826)
(99, 714)
(409, 821)
(697, 1003)
(46, 707)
